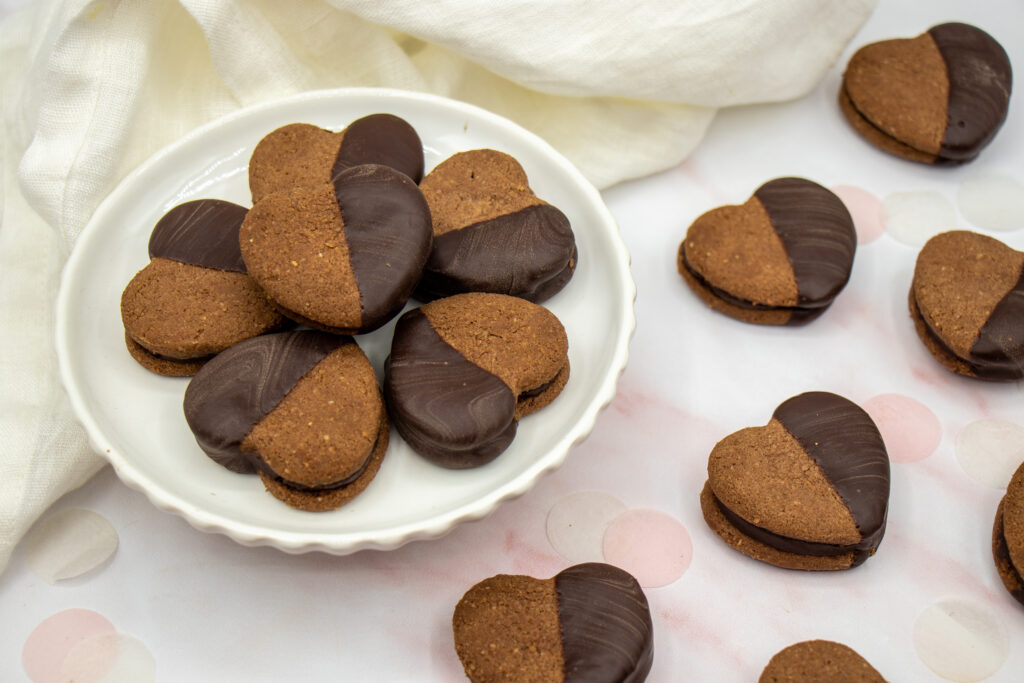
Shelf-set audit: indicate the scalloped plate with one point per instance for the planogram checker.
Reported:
(134, 418)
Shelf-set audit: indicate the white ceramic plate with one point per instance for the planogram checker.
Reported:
(134, 418)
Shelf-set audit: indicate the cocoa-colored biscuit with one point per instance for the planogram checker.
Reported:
(967, 304)
(463, 370)
(301, 154)
(302, 408)
(345, 256)
(1008, 536)
(938, 98)
(590, 622)
(809, 490)
(492, 233)
(819, 661)
(780, 258)
(194, 298)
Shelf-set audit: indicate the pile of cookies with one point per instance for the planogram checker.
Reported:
(261, 305)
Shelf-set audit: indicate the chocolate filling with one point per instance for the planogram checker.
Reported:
(1002, 553)
(260, 465)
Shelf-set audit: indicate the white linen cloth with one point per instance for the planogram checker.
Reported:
(91, 88)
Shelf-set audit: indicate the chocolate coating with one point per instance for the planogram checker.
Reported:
(381, 139)
(203, 232)
(388, 231)
(606, 625)
(460, 417)
(998, 353)
(239, 386)
(980, 79)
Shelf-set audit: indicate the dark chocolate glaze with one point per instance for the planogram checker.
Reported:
(381, 139)
(817, 233)
(1001, 553)
(605, 623)
(240, 385)
(389, 234)
(998, 352)
(980, 79)
(843, 440)
(530, 253)
(203, 232)
(449, 410)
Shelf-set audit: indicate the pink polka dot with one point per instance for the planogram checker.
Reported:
(865, 209)
(50, 642)
(652, 546)
(910, 430)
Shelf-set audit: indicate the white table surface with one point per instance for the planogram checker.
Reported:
(209, 609)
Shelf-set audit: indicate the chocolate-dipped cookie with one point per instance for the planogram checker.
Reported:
(1008, 537)
(343, 256)
(819, 661)
(463, 370)
(194, 298)
(492, 233)
(938, 98)
(301, 154)
(780, 258)
(809, 490)
(301, 408)
(967, 303)
(590, 622)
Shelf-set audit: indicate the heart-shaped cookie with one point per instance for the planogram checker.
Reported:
(809, 490)
(778, 259)
(492, 233)
(819, 661)
(1008, 536)
(938, 98)
(301, 154)
(588, 623)
(967, 303)
(464, 369)
(344, 256)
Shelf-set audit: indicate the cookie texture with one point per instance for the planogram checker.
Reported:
(1008, 536)
(345, 256)
(302, 408)
(967, 304)
(780, 258)
(464, 369)
(809, 490)
(492, 233)
(590, 622)
(194, 298)
(819, 661)
(938, 98)
(301, 154)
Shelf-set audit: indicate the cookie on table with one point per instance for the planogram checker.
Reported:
(938, 98)
(343, 256)
(492, 233)
(780, 258)
(967, 303)
(194, 298)
(819, 661)
(464, 369)
(301, 154)
(809, 490)
(301, 408)
(590, 622)
(1008, 536)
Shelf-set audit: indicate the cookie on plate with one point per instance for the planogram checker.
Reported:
(967, 303)
(344, 256)
(301, 408)
(938, 98)
(809, 490)
(492, 233)
(464, 369)
(1008, 536)
(301, 154)
(194, 298)
(780, 258)
(819, 661)
(590, 622)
